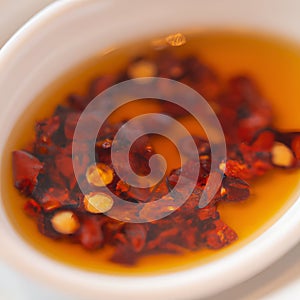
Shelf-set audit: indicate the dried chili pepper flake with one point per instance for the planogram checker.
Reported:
(122, 187)
(282, 155)
(65, 222)
(295, 145)
(26, 169)
(98, 203)
(32, 208)
(70, 124)
(220, 236)
(166, 205)
(46, 128)
(208, 212)
(77, 102)
(171, 248)
(124, 255)
(51, 205)
(45, 226)
(91, 234)
(65, 165)
(189, 239)
(235, 189)
(60, 195)
(136, 234)
(80, 163)
(100, 84)
(99, 175)
(164, 236)
(264, 141)
(238, 169)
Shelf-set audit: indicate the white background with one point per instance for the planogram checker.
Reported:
(279, 281)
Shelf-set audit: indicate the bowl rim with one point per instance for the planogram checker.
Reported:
(197, 280)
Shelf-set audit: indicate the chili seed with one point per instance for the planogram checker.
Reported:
(98, 203)
(65, 222)
(142, 68)
(282, 156)
(99, 175)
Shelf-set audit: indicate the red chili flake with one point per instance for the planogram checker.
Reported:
(45, 131)
(136, 235)
(77, 102)
(91, 234)
(122, 187)
(26, 169)
(296, 147)
(208, 212)
(164, 237)
(32, 208)
(139, 194)
(220, 236)
(124, 255)
(235, 189)
(64, 165)
(101, 84)
(54, 198)
(45, 226)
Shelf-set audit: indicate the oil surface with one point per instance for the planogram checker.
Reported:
(275, 66)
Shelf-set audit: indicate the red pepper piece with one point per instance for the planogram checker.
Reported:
(64, 164)
(124, 255)
(238, 169)
(296, 147)
(45, 226)
(32, 208)
(169, 66)
(208, 212)
(171, 248)
(70, 124)
(189, 238)
(235, 189)
(136, 235)
(220, 236)
(101, 84)
(26, 169)
(78, 102)
(54, 198)
(46, 128)
(164, 236)
(45, 135)
(139, 194)
(264, 141)
(91, 234)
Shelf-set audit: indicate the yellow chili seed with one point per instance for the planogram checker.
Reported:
(282, 155)
(99, 175)
(98, 203)
(65, 222)
(142, 68)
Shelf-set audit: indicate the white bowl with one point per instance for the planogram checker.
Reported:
(68, 32)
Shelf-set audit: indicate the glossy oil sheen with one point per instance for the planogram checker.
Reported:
(274, 64)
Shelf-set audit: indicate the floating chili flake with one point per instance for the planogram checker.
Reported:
(26, 169)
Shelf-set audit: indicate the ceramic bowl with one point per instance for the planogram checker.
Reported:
(68, 32)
